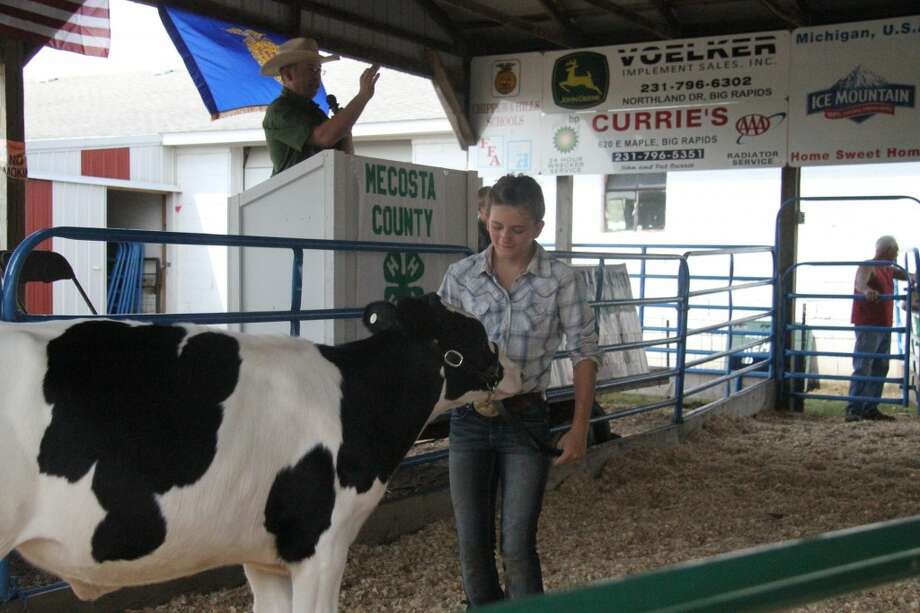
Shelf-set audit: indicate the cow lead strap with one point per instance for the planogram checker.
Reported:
(517, 424)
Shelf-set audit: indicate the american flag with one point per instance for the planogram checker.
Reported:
(71, 25)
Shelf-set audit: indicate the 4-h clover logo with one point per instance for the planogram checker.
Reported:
(402, 269)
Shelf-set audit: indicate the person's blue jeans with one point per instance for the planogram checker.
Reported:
(486, 453)
(868, 342)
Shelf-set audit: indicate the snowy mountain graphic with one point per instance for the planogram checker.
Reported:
(859, 77)
(860, 95)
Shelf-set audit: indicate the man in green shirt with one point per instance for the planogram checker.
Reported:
(295, 127)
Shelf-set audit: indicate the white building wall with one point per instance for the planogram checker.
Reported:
(83, 206)
(258, 167)
(442, 151)
(196, 276)
(64, 162)
(153, 164)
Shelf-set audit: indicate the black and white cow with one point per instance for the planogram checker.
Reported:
(134, 453)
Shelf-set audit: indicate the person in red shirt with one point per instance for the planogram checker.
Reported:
(871, 307)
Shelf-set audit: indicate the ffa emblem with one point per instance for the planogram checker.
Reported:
(580, 80)
(260, 47)
(402, 269)
(507, 81)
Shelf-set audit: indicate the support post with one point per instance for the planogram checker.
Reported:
(564, 197)
(786, 246)
(12, 139)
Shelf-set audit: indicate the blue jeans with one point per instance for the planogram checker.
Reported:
(868, 342)
(485, 453)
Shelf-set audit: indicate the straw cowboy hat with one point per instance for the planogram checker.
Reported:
(294, 51)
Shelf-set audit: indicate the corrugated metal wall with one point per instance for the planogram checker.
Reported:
(84, 206)
(143, 163)
(54, 161)
(38, 299)
(153, 164)
(109, 163)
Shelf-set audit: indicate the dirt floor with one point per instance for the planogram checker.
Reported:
(735, 484)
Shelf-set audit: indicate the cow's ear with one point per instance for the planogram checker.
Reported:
(418, 317)
(380, 316)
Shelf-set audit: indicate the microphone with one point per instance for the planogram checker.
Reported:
(333, 104)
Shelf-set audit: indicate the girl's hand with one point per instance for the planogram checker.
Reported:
(574, 446)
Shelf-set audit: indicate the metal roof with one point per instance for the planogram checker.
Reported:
(400, 33)
(437, 38)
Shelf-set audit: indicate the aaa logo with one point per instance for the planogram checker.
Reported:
(402, 270)
(580, 80)
(755, 124)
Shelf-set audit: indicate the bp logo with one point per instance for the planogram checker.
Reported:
(580, 80)
(402, 270)
(565, 139)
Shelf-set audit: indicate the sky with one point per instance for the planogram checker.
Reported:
(139, 43)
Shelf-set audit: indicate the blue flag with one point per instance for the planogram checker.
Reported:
(224, 60)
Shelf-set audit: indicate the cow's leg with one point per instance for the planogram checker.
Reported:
(330, 578)
(18, 477)
(351, 511)
(271, 592)
(305, 577)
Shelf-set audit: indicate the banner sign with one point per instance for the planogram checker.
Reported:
(689, 72)
(507, 96)
(653, 107)
(839, 94)
(751, 135)
(853, 93)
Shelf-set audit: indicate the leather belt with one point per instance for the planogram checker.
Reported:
(520, 402)
(508, 408)
(515, 404)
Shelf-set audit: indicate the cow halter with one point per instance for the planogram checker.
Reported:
(489, 378)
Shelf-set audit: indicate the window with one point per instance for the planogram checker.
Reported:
(634, 202)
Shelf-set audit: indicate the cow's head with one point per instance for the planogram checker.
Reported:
(473, 367)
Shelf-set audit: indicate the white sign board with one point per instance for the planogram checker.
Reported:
(689, 72)
(665, 139)
(507, 95)
(853, 93)
(705, 103)
(401, 203)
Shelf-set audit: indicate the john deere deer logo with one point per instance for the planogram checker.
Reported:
(580, 80)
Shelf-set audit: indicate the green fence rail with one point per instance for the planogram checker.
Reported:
(761, 579)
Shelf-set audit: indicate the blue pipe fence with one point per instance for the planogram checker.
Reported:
(784, 357)
(903, 356)
(643, 280)
(674, 341)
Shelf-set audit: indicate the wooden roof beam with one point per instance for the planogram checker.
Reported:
(453, 107)
(440, 17)
(560, 39)
(564, 21)
(791, 16)
(670, 17)
(373, 24)
(660, 31)
(805, 9)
